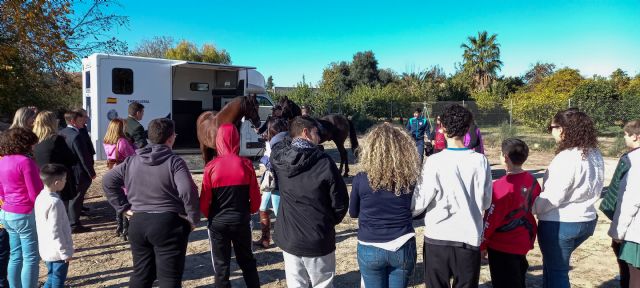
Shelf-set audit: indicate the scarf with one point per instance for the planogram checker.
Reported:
(301, 143)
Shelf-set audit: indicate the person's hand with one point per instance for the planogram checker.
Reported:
(617, 241)
(94, 177)
(128, 214)
(68, 260)
(483, 254)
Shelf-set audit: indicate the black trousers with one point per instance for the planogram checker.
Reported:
(624, 268)
(221, 237)
(442, 263)
(74, 207)
(507, 270)
(4, 258)
(158, 245)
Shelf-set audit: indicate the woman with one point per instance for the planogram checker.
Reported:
(270, 194)
(19, 185)
(381, 199)
(473, 140)
(52, 149)
(572, 184)
(24, 118)
(116, 145)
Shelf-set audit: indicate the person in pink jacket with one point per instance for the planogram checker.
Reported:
(116, 145)
(19, 185)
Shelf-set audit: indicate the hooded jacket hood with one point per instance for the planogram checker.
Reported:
(154, 154)
(292, 161)
(227, 140)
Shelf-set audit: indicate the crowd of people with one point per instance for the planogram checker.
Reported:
(45, 174)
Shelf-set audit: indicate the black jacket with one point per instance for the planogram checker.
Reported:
(136, 132)
(313, 199)
(76, 141)
(54, 150)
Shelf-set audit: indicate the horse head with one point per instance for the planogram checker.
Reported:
(251, 109)
(289, 108)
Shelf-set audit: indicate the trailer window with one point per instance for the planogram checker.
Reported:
(199, 86)
(87, 79)
(263, 101)
(122, 81)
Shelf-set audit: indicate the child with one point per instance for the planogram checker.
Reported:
(610, 205)
(230, 194)
(439, 140)
(510, 228)
(454, 190)
(118, 148)
(52, 222)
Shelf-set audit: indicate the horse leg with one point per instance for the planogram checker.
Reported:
(207, 153)
(344, 159)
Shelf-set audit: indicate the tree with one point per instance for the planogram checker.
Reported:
(40, 40)
(269, 85)
(188, 51)
(599, 99)
(155, 47)
(482, 59)
(364, 69)
(386, 77)
(538, 72)
(336, 79)
(620, 79)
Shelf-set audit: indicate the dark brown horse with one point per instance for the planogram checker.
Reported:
(209, 121)
(334, 127)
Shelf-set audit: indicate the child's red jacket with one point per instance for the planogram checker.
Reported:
(507, 205)
(230, 192)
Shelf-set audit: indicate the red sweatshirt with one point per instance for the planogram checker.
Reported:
(507, 197)
(230, 192)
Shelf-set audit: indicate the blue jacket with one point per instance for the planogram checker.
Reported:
(418, 127)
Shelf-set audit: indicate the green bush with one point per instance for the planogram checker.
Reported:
(599, 99)
(617, 148)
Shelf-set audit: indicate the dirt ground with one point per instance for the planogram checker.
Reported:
(102, 260)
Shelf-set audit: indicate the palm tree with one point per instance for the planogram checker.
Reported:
(482, 59)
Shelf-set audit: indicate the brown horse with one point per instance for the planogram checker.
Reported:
(209, 121)
(334, 127)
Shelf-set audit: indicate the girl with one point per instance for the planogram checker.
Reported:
(116, 145)
(439, 140)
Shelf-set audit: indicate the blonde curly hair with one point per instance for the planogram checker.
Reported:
(389, 157)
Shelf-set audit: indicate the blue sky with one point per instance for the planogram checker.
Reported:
(288, 39)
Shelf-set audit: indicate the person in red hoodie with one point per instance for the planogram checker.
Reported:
(230, 194)
(510, 229)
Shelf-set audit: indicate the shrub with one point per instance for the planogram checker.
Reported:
(599, 99)
(617, 148)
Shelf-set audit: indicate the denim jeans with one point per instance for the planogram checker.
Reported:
(383, 268)
(57, 274)
(23, 239)
(4, 257)
(557, 241)
(420, 146)
(275, 201)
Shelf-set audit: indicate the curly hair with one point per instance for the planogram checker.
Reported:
(390, 159)
(456, 120)
(578, 131)
(17, 141)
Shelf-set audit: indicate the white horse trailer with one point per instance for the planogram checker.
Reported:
(175, 89)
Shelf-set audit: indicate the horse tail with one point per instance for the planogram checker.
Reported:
(353, 138)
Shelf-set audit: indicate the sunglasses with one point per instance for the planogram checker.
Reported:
(551, 127)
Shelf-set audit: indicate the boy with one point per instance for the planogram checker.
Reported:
(455, 190)
(418, 127)
(510, 228)
(608, 205)
(230, 194)
(54, 230)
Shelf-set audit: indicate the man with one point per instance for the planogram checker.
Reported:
(162, 203)
(135, 131)
(418, 127)
(313, 200)
(230, 194)
(82, 170)
(84, 133)
(455, 191)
